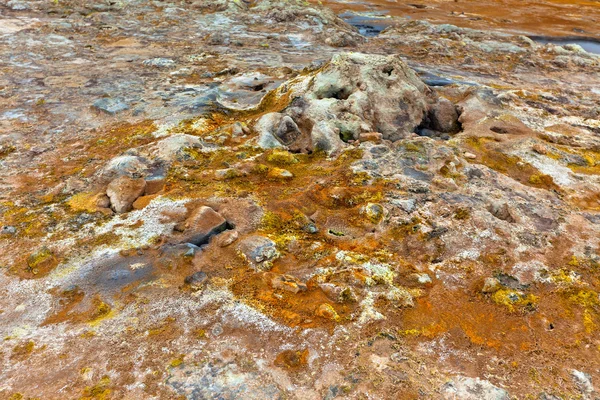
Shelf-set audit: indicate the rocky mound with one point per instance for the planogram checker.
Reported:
(352, 95)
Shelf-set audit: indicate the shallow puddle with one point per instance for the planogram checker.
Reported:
(589, 45)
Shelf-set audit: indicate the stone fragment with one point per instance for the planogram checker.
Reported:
(540, 149)
(8, 230)
(491, 285)
(111, 106)
(374, 212)
(501, 211)
(159, 62)
(279, 173)
(327, 311)
(407, 205)
(103, 201)
(196, 280)
(259, 251)
(288, 131)
(470, 156)
(288, 283)
(338, 293)
(201, 225)
(227, 238)
(123, 191)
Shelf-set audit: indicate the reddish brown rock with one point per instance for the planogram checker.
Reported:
(202, 223)
(123, 191)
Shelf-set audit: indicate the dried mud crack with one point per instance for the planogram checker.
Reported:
(257, 200)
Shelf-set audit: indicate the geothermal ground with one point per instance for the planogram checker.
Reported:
(272, 199)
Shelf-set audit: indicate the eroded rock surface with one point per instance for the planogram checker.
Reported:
(414, 215)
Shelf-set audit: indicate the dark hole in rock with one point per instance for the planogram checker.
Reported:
(388, 70)
(340, 94)
(258, 88)
(551, 326)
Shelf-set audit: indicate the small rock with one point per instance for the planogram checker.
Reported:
(103, 201)
(279, 173)
(133, 166)
(288, 131)
(227, 238)
(470, 156)
(327, 311)
(407, 205)
(228, 173)
(123, 191)
(374, 212)
(337, 293)
(540, 149)
(196, 280)
(491, 285)
(159, 62)
(421, 278)
(400, 297)
(8, 230)
(111, 106)
(288, 283)
(501, 211)
(260, 251)
(201, 225)
(217, 330)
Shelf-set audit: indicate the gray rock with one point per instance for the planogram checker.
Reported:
(466, 388)
(196, 280)
(259, 251)
(125, 165)
(265, 127)
(159, 62)
(111, 106)
(8, 230)
(407, 205)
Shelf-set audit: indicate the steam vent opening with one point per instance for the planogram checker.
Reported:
(285, 199)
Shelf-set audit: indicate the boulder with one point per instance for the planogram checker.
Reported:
(123, 191)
